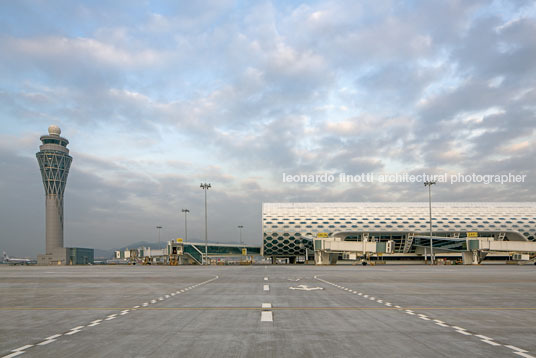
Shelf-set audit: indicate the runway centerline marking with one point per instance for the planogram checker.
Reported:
(267, 316)
(266, 288)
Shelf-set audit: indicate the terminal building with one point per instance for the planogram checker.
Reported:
(289, 229)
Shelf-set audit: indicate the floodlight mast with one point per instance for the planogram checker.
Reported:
(205, 187)
(185, 211)
(429, 185)
(240, 227)
(159, 245)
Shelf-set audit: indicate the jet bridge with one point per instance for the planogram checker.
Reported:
(328, 248)
(478, 248)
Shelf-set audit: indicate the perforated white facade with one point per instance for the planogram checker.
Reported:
(286, 224)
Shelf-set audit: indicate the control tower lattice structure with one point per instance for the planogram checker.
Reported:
(54, 162)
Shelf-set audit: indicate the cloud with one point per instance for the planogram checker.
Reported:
(159, 97)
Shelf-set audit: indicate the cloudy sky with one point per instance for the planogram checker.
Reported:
(156, 97)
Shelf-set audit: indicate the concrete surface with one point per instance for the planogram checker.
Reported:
(341, 311)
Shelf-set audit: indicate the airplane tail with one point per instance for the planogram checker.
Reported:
(5, 256)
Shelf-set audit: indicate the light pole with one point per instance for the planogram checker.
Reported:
(185, 211)
(205, 187)
(240, 227)
(159, 245)
(429, 185)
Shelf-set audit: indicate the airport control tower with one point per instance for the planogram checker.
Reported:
(54, 162)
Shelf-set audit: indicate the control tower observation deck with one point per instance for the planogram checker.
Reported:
(54, 162)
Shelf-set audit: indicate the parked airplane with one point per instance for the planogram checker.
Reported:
(15, 261)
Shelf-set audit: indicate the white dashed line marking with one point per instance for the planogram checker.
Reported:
(491, 342)
(485, 339)
(516, 349)
(266, 306)
(44, 343)
(462, 331)
(53, 338)
(266, 287)
(29, 346)
(74, 330)
(522, 354)
(266, 279)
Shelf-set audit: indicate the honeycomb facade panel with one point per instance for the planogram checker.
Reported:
(384, 221)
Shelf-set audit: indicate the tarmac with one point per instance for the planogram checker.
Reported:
(268, 311)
